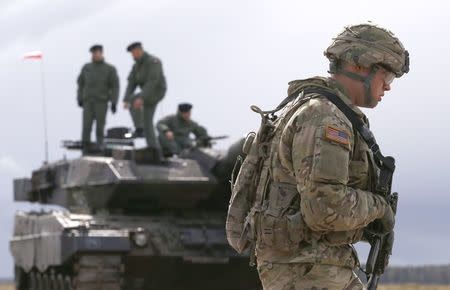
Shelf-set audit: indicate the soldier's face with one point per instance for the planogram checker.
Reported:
(381, 83)
(186, 115)
(97, 55)
(137, 53)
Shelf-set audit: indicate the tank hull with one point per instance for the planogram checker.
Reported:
(185, 250)
(128, 224)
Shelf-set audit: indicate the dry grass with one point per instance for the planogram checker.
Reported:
(384, 287)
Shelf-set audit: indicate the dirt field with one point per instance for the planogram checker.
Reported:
(385, 287)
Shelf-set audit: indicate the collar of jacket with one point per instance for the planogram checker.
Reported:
(327, 84)
(343, 94)
(143, 58)
(180, 117)
(98, 61)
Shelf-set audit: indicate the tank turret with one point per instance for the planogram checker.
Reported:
(128, 221)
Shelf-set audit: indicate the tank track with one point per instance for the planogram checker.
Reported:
(90, 272)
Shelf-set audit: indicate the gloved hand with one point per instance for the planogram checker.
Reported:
(113, 108)
(385, 224)
(80, 103)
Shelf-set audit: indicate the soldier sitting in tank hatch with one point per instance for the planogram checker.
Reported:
(174, 131)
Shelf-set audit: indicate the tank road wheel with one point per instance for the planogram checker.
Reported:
(52, 282)
(98, 272)
(59, 282)
(32, 282)
(39, 282)
(46, 282)
(67, 283)
(20, 278)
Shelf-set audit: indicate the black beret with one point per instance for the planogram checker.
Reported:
(184, 107)
(96, 47)
(134, 45)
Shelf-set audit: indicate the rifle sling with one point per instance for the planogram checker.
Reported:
(362, 129)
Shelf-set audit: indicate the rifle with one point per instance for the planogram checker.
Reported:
(381, 245)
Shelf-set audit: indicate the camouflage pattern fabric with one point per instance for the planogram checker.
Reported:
(308, 276)
(319, 198)
(366, 45)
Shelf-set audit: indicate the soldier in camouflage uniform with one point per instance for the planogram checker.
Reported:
(317, 184)
(174, 131)
(147, 74)
(98, 84)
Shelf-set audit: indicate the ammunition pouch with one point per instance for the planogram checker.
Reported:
(279, 224)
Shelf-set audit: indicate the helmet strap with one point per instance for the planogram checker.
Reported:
(366, 80)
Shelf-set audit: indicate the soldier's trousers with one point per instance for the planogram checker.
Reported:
(143, 118)
(94, 111)
(169, 147)
(136, 116)
(307, 276)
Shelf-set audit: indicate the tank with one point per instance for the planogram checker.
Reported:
(125, 220)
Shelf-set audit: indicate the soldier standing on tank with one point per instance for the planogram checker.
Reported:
(98, 84)
(147, 74)
(174, 131)
(318, 194)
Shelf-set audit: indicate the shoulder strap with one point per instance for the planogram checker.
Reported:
(362, 129)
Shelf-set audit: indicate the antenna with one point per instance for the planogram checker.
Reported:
(44, 111)
(38, 55)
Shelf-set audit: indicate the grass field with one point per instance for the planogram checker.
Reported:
(384, 287)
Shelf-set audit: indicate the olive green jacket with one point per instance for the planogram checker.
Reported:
(98, 81)
(181, 129)
(147, 74)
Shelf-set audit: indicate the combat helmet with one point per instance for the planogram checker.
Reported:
(366, 45)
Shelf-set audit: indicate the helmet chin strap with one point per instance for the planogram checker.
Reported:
(366, 80)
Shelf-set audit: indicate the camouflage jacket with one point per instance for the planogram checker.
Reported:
(98, 81)
(331, 168)
(147, 74)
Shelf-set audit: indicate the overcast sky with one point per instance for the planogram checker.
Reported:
(223, 57)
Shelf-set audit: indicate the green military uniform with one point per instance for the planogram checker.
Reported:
(314, 195)
(98, 84)
(147, 74)
(181, 130)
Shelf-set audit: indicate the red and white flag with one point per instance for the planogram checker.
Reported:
(33, 55)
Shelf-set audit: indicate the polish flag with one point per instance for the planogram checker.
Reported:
(33, 55)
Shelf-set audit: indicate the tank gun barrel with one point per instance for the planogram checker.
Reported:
(211, 138)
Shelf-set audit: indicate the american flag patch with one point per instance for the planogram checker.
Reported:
(337, 135)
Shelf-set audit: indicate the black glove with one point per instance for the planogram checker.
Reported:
(385, 224)
(113, 108)
(80, 103)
